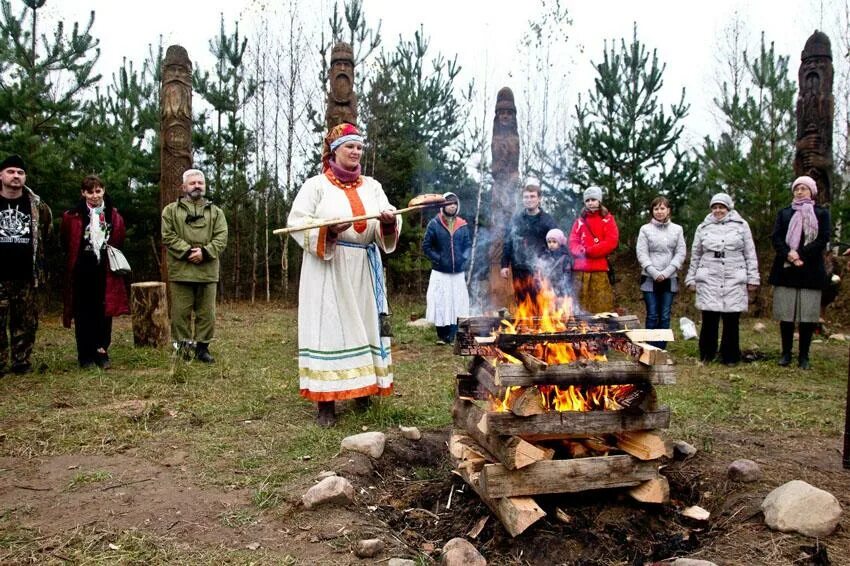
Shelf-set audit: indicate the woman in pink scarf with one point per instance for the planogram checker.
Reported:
(800, 236)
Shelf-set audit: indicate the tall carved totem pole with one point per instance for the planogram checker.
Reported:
(342, 100)
(505, 169)
(176, 129)
(815, 111)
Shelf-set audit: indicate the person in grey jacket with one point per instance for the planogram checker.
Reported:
(661, 252)
(724, 267)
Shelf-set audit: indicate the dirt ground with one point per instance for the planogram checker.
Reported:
(403, 498)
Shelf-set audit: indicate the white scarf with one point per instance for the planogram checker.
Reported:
(97, 230)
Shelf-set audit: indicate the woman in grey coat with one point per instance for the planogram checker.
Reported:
(724, 267)
(661, 253)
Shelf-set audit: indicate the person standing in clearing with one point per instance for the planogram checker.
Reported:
(194, 231)
(447, 244)
(25, 225)
(661, 252)
(724, 267)
(525, 242)
(343, 347)
(556, 265)
(800, 236)
(593, 238)
(93, 294)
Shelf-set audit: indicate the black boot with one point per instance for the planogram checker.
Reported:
(786, 333)
(362, 404)
(327, 414)
(202, 353)
(807, 329)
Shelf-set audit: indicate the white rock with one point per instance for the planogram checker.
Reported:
(420, 323)
(759, 327)
(696, 513)
(401, 562)
(691, 562)
(368, 548)
(838, 337)
(744, 470)
(330, 490)
(682, 450)
(798, 506)
(325, 474)
(410, 432)
(369, 443)
(460, 552)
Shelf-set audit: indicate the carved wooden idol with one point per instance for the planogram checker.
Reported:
(815, 110)
(342, 101)
(176, 122)
(176, 128)
(504, 195)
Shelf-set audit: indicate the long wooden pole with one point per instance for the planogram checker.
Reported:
(846, 459)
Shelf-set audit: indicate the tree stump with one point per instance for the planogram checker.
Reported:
(149, 306)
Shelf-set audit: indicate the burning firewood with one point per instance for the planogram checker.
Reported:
(528, 402)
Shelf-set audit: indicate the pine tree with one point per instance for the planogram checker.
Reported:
(625, 141)
(44, 78)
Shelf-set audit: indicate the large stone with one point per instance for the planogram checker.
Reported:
(401, 562)
(420, 323)
(460, 552)
(368, 548)
(803, 508)
(410, 432)
(682, 450)
(332, 490)
(744, 470)
(369, 443)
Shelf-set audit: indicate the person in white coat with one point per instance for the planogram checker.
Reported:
(724, 268)
(661, 252)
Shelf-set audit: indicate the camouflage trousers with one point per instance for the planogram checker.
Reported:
(18, 321)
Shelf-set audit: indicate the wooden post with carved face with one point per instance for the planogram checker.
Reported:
(815, 111)
(176, 129)
(497, 292)
(342, 100)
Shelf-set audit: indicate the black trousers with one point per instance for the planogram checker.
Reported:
(730, 349)
(92, 328)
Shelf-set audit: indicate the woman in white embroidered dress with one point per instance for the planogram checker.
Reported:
(341, 353)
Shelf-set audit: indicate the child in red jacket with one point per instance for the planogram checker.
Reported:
(593, 238)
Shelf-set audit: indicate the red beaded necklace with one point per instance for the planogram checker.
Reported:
(344, 186)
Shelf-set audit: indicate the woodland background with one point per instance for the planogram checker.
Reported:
(259, 119)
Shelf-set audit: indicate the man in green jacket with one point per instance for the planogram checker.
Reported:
(195, 233)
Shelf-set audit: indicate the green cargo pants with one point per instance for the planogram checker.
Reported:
(188, 298)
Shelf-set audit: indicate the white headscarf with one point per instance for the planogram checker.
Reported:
(97, 230)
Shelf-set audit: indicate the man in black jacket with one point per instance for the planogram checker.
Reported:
(525, 242)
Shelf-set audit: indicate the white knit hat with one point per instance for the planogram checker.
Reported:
(593, 193)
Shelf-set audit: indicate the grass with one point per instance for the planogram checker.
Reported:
(243, 424)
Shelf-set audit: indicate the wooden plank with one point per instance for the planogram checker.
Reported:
(566, 476)
(592, 373)
(650, 335)
(643, 444)
(576, 423)
(656, 490)
(512, 451)
(515, 513)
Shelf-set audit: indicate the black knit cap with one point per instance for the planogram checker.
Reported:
(13, 160)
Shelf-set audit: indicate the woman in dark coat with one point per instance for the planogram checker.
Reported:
(800, 236)
(447, 244)
(93, 294)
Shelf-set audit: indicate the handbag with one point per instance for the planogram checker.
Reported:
(118, 264)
